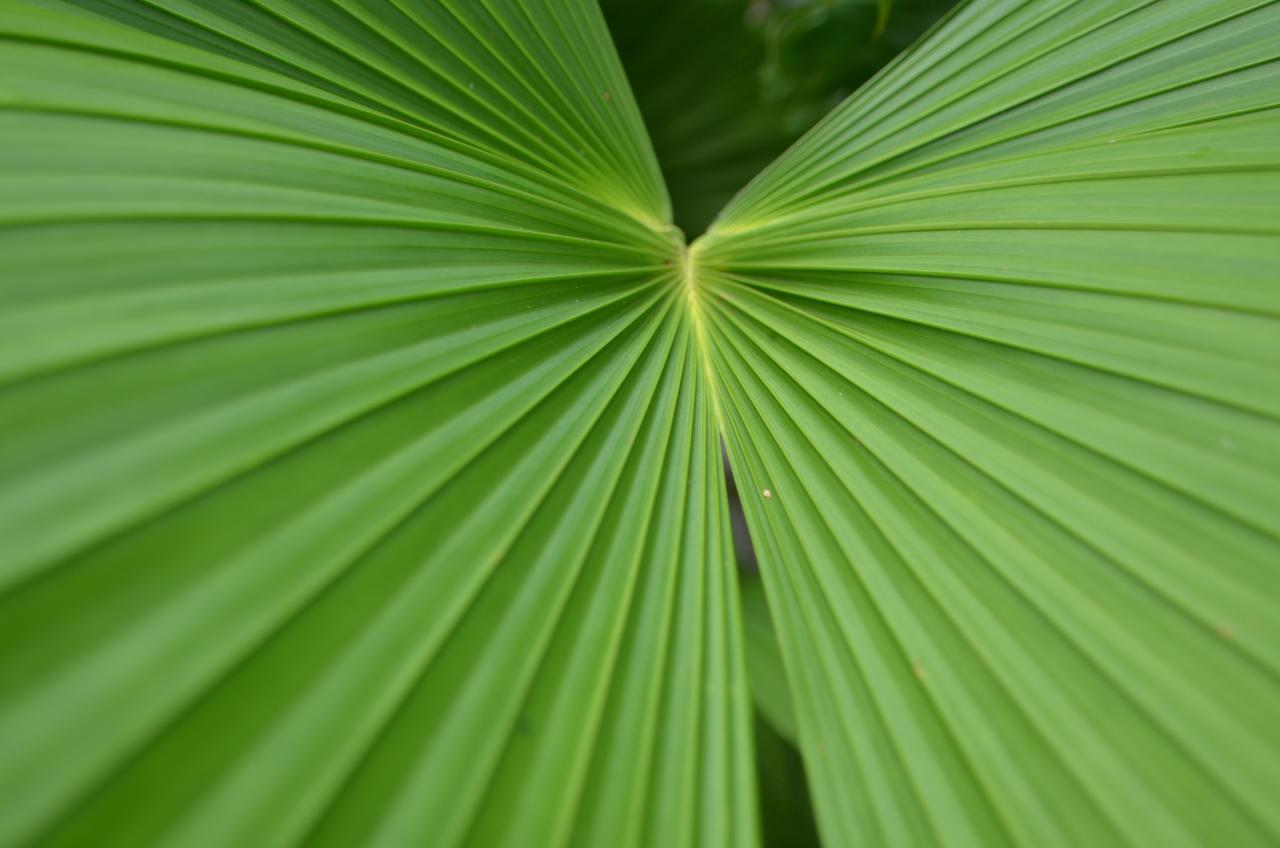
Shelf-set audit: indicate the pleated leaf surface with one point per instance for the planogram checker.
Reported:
(359, 482)
(996, 351)
(359, 471)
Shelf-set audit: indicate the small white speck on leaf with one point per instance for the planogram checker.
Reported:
(768, 495)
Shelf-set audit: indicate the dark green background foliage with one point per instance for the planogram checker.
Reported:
(726, 85)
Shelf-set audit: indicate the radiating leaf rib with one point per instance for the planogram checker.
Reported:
(360, 478)
(588, 648)
(358, 468)
(999, 339)
(507, 79)
(864, 705)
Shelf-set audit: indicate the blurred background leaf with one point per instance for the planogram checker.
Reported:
(726, 85)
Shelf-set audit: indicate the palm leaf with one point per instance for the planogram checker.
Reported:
(358, 469)
(996, 347)
(360, 480)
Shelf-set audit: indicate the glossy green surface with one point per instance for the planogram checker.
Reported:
(360, 412)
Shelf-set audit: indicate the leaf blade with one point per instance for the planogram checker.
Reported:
(998, 334)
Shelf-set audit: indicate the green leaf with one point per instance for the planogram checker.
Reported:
(765, 670)
(995, 348)
(359, 476)
(360, 480)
